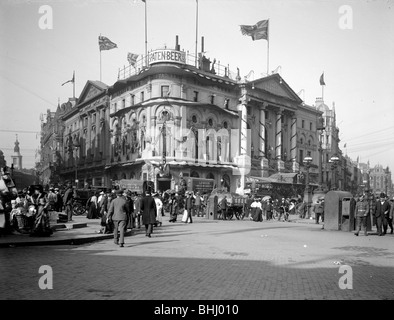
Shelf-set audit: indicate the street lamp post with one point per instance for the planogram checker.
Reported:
(307, 162)
(334, 164)
(76, 146)
(307, 194)
(320, 128)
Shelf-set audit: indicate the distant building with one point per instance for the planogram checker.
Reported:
(16, 157)
(380, 180)
(330, 145)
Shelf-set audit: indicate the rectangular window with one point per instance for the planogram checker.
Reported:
(212, 99)
(132, 99)
(123, 103)
(310, 126)
(115, 107)
(302, 124)
(165, 90)
(195, 98)
(142, 96)
(301, 156)
(309, 154)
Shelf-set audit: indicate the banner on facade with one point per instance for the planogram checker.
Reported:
(166, 55)
(133, 185)
(200, 185)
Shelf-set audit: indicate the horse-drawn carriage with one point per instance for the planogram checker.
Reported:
(235, 204)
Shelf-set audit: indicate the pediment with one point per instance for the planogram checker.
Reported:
(276, 85)
(90, 91)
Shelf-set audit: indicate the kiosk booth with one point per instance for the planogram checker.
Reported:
(338, 211)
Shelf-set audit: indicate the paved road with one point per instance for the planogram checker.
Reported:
(208, 260)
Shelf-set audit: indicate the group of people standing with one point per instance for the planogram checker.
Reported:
(128, 211)
(381, 209)
(259, 209)
(29, 212)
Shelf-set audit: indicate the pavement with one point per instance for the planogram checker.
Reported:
(204, 260)
(83, 230)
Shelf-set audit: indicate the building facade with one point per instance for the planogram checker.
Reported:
(167, 118)
(86, 137)
(380, 180)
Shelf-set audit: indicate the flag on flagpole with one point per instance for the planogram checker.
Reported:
(106, 44)
(72, 80)
(322, 80)
(132, 58)
(258, 31)
(344, 145)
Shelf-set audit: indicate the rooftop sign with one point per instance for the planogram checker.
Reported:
(167, 55)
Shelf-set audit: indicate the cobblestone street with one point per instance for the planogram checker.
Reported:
(208, 260)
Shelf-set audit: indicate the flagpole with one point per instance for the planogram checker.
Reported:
(74, 84)
(268, 47)
(196, 32)
(146, 35)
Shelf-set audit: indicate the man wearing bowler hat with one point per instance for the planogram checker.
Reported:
(118, 213)
(382, 209)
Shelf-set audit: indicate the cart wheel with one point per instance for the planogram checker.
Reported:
(230, 214)
(78, 209)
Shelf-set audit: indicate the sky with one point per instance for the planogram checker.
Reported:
(352, 42)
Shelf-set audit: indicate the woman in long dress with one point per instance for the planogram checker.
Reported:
(41, 227)
(257, 210)
(159, 206)
(92, 207)
(173, 205)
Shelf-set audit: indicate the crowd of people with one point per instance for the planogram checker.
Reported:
(28, 211)
(366, 205)
(259, 208)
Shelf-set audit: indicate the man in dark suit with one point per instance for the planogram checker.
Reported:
(118, 213)
(148, 210)
(130, 218)
(381, 211)
(189, 204)
(68, 200)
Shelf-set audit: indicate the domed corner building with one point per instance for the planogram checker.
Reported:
(202, 121)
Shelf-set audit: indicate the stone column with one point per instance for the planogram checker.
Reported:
(89, 137)
(278, 135)
(262, 132)
(293, 143)
(262, 141)
(243, 161)
(153, 132)
(278, 140)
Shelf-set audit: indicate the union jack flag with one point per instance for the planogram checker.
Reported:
(106, 44)
(132, 58)
(258, 31)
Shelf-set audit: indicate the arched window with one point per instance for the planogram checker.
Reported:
(226, 182)
(210, 175)
(194, 174)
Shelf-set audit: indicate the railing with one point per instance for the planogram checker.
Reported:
(213, 66)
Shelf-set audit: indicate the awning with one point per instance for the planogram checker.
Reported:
(284, 177)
